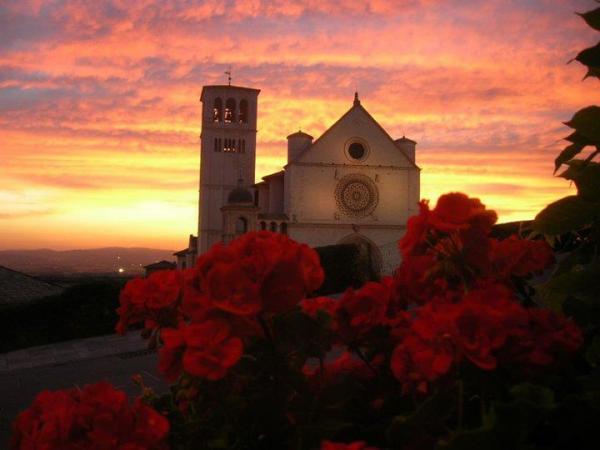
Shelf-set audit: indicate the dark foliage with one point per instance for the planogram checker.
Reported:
(83, 310)
(342, 267)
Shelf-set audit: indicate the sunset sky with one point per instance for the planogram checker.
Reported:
(100, 112)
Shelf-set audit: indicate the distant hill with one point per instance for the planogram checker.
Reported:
(98, 260)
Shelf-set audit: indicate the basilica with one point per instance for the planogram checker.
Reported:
(354, 184)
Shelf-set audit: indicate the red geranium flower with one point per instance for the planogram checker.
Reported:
(260, 271)
(416, 231)
(97, 417)
(311, 306)
(520, 257)
(456, 211)
(483, 320)
(345, 364)
(548, 337)
(359, 311)
(153, 300)
(207, 350)
(415, 362)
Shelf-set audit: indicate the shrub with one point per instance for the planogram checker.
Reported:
(81, 311)
(342, 268)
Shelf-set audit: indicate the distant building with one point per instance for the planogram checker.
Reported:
(187, 257)
(354, 184)
(20, 288)
(160, 265)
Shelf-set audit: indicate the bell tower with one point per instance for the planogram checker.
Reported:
(227, 153)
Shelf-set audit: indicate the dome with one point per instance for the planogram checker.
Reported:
(240, 195)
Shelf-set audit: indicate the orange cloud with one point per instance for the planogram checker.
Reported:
(99, 110)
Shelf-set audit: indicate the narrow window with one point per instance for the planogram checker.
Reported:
(216, 145)
(263, 225)
(243, 145)
(217, 109)
(241, 225)
(273, 227)
(243, 118)
(230, 110)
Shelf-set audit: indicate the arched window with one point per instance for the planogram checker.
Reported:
(273, 227)
(263, 225)
(217, 109)
(283, 228)
(243, 118)
(241, 225)
(230, 110)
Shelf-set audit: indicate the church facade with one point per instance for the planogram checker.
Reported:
(355, 184)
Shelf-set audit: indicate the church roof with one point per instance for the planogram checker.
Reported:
(405, 139)
(300, 133)
(161, 265)
(273, 175)
(240, 195)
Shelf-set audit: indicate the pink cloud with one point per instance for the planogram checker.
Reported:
(104, 95)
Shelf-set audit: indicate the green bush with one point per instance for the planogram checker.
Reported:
(342, 267)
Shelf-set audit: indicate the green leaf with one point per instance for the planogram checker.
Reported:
(567, 214)
(541, 396)
(586, 122)
(515, 422)
(592, 354)
(577, 138)
(433, 410)
(567, 154)
(590, 57)
(478, 439)
(592, 18)
(581, 282)
(586, 176)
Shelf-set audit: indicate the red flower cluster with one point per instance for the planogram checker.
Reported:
(345, 364)
(98, 417)
(359, 311)
(153, 301)
(259, 272)
(448, 249)
(454, 213)
(519, 257)
(205, 350)
(205, 312)
(486, 326)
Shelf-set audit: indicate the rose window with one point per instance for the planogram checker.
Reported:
(356, 195)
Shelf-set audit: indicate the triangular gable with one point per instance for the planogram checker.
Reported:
(323, 152)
